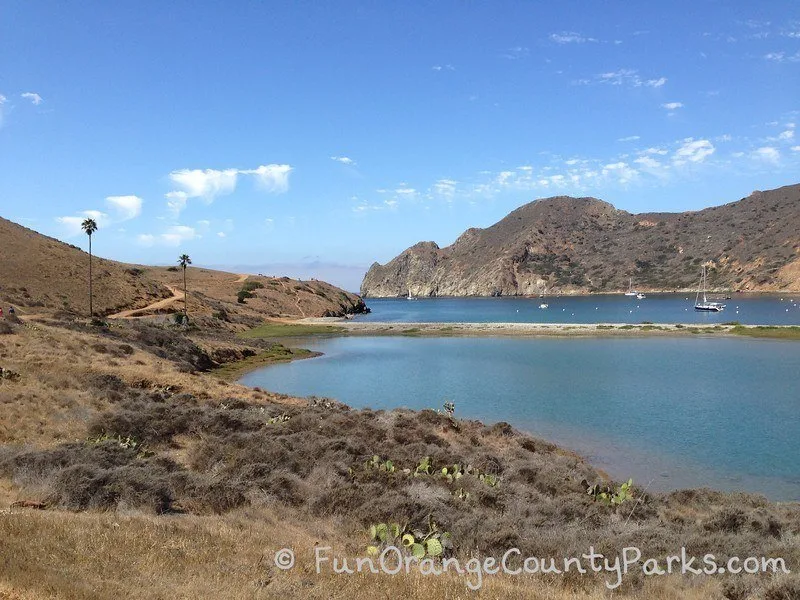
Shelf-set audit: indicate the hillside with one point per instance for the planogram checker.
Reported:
(582, 245)
(41, 275)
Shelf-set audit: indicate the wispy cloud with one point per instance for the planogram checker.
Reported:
(35, 98)
(624, 77)
(126, 207)
(767, 154)
(570, 37)
(444, 188)
(515, 53)
(443, 68)
(783, 57)
(672, 105)
(630, 138)
(345, 160)
(72, 224)
(175, 235)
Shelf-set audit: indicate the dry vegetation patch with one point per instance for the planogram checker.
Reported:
(140, 455)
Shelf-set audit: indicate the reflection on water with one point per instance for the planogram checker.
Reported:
(678, 411)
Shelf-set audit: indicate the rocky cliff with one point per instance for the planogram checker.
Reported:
(582, 245)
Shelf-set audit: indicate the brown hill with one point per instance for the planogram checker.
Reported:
(579, 245)
(41, 275)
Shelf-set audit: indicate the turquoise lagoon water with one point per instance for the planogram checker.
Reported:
(761, 309)
(670, 412)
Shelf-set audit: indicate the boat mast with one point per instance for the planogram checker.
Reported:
(697, 295)
(704, 285)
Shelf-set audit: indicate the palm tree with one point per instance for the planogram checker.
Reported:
(184, 261)
(89, 226)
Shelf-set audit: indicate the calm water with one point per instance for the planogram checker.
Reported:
(676, 412)
(761, 309)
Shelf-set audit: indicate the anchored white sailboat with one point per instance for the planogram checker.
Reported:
(705, 304)
(631, 291)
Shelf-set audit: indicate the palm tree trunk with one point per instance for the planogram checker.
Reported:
(91, 308)
(185, 297)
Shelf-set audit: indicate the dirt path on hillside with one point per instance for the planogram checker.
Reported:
(134, 312)
(241, 279)
(296, 298)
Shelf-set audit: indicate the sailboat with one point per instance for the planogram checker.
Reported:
(631, 291)
(705, 304)
(410, 297)
(544, 304)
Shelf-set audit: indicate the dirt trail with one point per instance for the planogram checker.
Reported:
(241, 279)
(134, 312)
(296, 298)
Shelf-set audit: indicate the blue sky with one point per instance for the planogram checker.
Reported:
(313, 138)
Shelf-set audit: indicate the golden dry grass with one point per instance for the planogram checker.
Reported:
(40, 275)
(114, 555)
(52, 402)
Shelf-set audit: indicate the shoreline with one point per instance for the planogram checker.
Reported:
(344, 326)
(587, 294)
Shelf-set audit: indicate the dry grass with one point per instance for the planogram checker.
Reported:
(114, 555)
(41, 275)
(235, 484)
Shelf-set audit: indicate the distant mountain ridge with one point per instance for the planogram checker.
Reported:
(580, 245)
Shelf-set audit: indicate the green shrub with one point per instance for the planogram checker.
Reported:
(249, 286)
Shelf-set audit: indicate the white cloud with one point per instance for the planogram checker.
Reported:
(621, 171)
(660, 151)
(656, 83)
(446, 188)
(35, 98)
(569, 37)
(221, 234)
(127, 207)
(781, 57)
(672, 105)
(271, 178)
(345, 160)
(648, 162)
(767, 154)
(72, 225)
(205, 183)
(693, 151)
(786, 135)
(443, 68)
(172, 236)
(177, 234)
(795, 148)
(176, 202)
(630, 138)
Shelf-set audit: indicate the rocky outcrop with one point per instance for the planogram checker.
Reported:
(582, 245)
